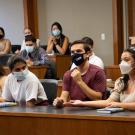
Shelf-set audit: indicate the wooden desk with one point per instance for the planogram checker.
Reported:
(66, 121)
(39, 71)
(62, 62)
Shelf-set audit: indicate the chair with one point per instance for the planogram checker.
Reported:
(4, 59)
(15, 47)
(50, 87)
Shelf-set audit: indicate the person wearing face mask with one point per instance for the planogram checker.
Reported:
(123, 94)
(32, 54)
(37, 56)
(93, 59)
(57, 42)
(5, 44)
(27, 31)
(22, 86)
(86, 81)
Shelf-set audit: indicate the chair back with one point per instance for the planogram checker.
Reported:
(50, 87)
(4, 59)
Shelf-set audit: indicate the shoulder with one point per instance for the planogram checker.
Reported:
(7, 41)
(32, 77)
(67, 74)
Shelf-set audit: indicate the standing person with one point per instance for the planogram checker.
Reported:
(93, 59)
(21, 85)
(123, 94)
(57, 42)
(5, 44)
(86, 81)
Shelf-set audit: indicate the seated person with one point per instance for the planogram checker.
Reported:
(123, 94)
(32, 54)
(86, 81)
(2, 78)
(37, 56)
(22, 86)
(5, 44)
(27, 31)
(93, 59)
(57, 43)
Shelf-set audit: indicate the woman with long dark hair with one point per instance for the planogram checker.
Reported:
(57, 42)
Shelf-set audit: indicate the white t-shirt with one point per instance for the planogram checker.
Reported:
(23, 44)
(23, 91)
(93, 59)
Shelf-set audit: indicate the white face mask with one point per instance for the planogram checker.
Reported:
(20, 76)
(125, 68)
(29, 49)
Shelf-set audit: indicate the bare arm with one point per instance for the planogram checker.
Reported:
(128, 106)
(95, 104)
(50, 45)
(62, 50)
(58, 102)
(7, 48)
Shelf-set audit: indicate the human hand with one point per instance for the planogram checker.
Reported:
(114, 104)
(29, 62)
(58, 102)
(76, 75)
(73, 103)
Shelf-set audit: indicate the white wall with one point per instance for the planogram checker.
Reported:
(80, 18)
(12, 20)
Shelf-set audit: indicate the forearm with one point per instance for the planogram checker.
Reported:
(96, 104)
(61, 51)
(89, 92)
(128, 106)
(64, 96)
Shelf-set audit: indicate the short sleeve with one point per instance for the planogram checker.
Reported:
(32, 91)
(6, 94)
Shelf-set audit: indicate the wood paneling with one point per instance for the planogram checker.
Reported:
(118, 36)
(131, 17)
(31, 16)
(112, 72)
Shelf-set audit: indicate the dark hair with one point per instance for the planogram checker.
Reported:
(58, 25)
(88, 40)
(30, 38)
(2, 31)
(2, 71)
(14, 60)
(130, 50)
(85, 45)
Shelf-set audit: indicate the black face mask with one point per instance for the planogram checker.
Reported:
(77, 59)
(1, 36)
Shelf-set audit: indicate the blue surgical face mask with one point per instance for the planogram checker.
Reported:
(56, 32)
(29, 49)
(77, 58)
(20, 76)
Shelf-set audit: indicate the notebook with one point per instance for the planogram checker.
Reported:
(7, 104)
(110, 110)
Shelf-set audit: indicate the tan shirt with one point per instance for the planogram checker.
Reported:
(122, 96)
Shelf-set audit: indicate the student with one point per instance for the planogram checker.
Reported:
(37, 56)
(93, 59)
(57, 42)
(21, 85)
(86, 81)
(33, 54)
(2, 78)
(5, 44)
(27, 31)
(123, 94)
